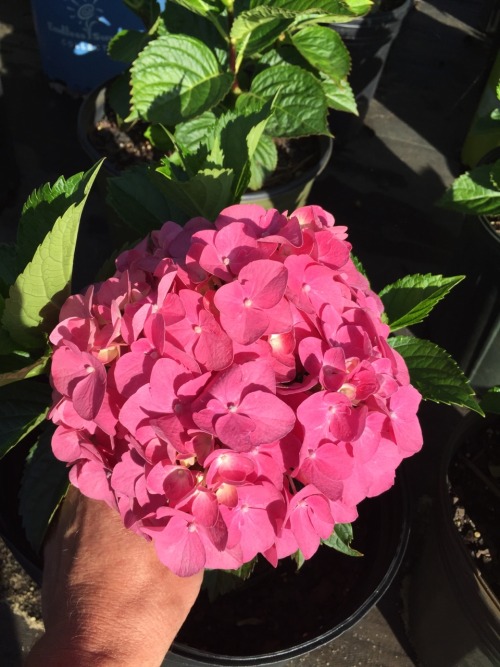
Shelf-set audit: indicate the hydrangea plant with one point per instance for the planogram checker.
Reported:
(199, 60)
(234, 387)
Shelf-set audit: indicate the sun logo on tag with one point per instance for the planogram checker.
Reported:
(87, 14)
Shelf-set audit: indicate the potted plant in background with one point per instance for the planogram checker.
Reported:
(244, 341)
(476, 340)
(454, 602)
(199, 62)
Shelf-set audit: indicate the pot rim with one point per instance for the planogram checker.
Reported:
(201, 657)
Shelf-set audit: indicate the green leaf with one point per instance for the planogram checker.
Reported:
(139, 202)
(341, 539)
(324, 49)
(15, 367)
(326, 11)
(474, 193)
(298, 558)
(126, 45)
(340, 96)
(176, 78)
(41, 210)
(301, 108)
(43, 487)
(205, 194)
(434, 373)
(118, 96)
(490, 402)
(257, 29)
(23, 406)
(31, 311)
(201, 7)
(408, 301)
(195, 131)
(264, 162)
(237, 139)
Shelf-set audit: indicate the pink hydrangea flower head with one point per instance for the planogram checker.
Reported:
(230, 390)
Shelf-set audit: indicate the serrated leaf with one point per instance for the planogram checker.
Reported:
(264, 162)
(43, 487)
(409, 300)
(340, 96)
(434, 373)
(326, 11)
(473, 193)
(341, 539)
(195, 131)
(490, 402)
(126, 45)
(31, 311)
(237, 138)
(23, 406)
(40, 211)
(176, 78)
(324, 49)
(204, 194)
(14, 368)
(257, 29)
(141, 205)
(301, 108)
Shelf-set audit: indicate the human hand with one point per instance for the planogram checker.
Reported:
(106, 598)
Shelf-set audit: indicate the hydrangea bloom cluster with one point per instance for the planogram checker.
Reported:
(230, 390)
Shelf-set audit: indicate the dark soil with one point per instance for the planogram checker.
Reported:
(128, 147)
(475, 492)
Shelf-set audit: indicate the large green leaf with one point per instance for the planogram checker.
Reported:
(409, 300)
(324, 49)
(44, 485)
(301, 108)
(41, 210)
(31, 311)
(23, 406)
(474, 193)
(202, 7)
(434, 373)
(176, 78)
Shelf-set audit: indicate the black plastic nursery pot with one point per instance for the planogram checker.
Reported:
(284, 197)
(279, 614)
(369, 40)
(454, 615)
(468, 323)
